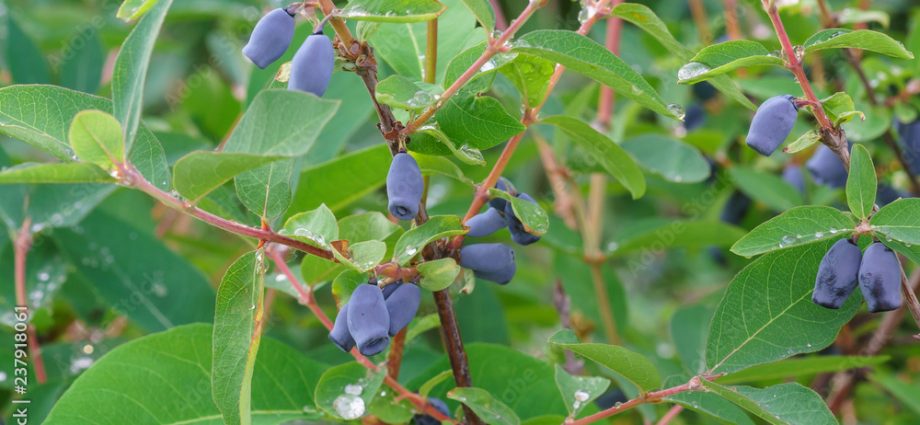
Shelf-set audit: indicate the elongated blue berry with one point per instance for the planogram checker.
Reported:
(368, 319)
(504, 185)
(887, 194)
(387, 290)
(339, 334)
(792, 174)
(404, 186)
(518, 233)
(704, 91)
(837, 274)
(270, 38)
(695, 117)
(880, 278)
(826, 168)
(909, 137)
(489, 261)
(772, 123)
(423, 419)
(485, 223)
(402, 304)
(312, 65)
(735, 208)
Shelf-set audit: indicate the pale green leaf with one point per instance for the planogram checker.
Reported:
(784, 404)
(317, 227)
(133, 9)
(768, 188)
(725, 57)
(66, 172)
(861, 182)
(579, 391)
(672, 159)
(899, 220)
(487, 407)
(634, 367)
(796, 227)
(438, 274)
(393, 11)
(842, 38)
(800, 368)
(200, 172)
(345, 390)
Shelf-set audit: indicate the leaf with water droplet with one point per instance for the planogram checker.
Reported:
(485, 405)
(722, 58)
(579, 391)
(842, 38)
(795, 227)
(413, 241)
(345, 391)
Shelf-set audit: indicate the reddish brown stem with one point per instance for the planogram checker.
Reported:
(670, 415)
(500, 22)
(22, 245)
(650, 397)
(453, 343)
(305, 297)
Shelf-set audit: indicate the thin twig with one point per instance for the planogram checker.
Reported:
(698, 10)
(670, 415)
(305, 297)
(650, 397)
(731, 20)
(21, 246)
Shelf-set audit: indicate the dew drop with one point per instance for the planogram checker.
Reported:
(691, 71)
(349, 406)
(354, 389)
(581, 396)
(677, 110)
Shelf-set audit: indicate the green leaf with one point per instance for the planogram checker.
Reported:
(532, 216)
(796, 227)
(281, 122)
(24, 59)
(96, 137)
(130, 73)
(611, 156)
(363, 256)
(200, 172)
(899, 220)
(800, 368)
(136, 273)
(317, 227)
(579, 391)
(404, 93)
(585, 56)
(393, 11)
(688, 331)
(316, 270)
(82, 69)
(531, 75)
(438, 274)
(266, 191)
(342, 181)
(133, 9)
(784, 404)
(366, 226)
(66, 172)
(840, 108)
(766, 313)
(345, 391)
(805, 141)
(768, 188)
(155, 369)
(634, 367)
(861, 182)
(850, 15)
(644, 18)
(431, 164)
(237, 333)
(412, 242)
(485, 405)
(842, 38)
(480, 122)
(722, 58)
(467, 154)
(483, 12)
(905, 393)
(672, 159)
(680, 233)
(708, 404)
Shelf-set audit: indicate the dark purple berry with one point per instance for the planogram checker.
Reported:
(704, 91)
(518, 233)
(270, 38)
(312, 65)
(402, 304)
(880, 278)
(887, 194)
(504, 185)
(826, 168)
(792, 174)
(735, 208)
(695, 117)
(368, 320)
(772, 123)
(909, 137)
(387, 290)
(837, 274)
(423, 419)
(485, 223)
(404, 186)
(339, 334)
(489, 261)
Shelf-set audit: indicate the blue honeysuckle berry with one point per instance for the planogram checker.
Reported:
(311, 68)
(368, 319)
(489, 261)
(423, 419)
(402, 304)
(735, 208)
(837, 274)
(880, 278)
(486, 223)
(792, 174)
(518, 233)
(695, 117)
(909, 138)
(270, 38)
(339, 334)
(404, 187)
(826, 168)
(504, 185)
(772, 123)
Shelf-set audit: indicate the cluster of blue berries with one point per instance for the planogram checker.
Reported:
(877, 272)
(313, 63)
(373, 315)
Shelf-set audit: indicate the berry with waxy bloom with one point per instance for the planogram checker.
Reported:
(270, 38)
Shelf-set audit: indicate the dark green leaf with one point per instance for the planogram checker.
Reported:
(784, 404)
(411, 243)
(480, 122)
(842, 38)
(634, 367)
(800, 368)
(798, 226)
(485, 405)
